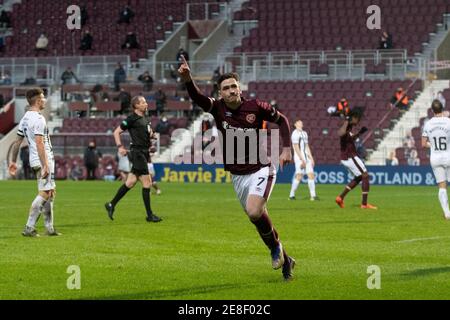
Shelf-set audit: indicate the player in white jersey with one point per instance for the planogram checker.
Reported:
(151, 170)
(34, 128)
(304, 161)
(436, 136)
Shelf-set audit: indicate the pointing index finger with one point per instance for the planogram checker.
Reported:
(183, 59)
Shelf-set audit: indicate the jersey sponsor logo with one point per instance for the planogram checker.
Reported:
(250, 118)
(228, 114)
(227, 126)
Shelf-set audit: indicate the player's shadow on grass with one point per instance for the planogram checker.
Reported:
(161, 294)
(426, 272)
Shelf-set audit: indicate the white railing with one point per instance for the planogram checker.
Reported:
(202, 69)
(97, 72)
(296, 65)
(59, 64)
(341, 56)
(43, 73)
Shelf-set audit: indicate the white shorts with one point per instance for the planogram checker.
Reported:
(151, 169)
(441, 168)
(260, 183)
(299, 170)
(355, 165)
(49, 182)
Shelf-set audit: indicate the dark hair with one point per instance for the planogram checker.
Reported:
(437, 106)
(356, 112)
(32, 94)
(225, 76)
(135, 101)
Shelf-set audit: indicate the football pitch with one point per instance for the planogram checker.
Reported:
(206, 248)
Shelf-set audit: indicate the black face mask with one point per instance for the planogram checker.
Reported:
(91, 147)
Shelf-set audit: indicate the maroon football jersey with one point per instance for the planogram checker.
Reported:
(248, 118)
(348, 147)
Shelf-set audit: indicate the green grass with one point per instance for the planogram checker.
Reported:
(207, 249)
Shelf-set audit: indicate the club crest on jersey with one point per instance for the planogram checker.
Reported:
(250, 118)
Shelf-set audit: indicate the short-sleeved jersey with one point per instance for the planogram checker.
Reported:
(139, 129)
(248, 118)
(437, 130)
(31, 125)
(348, 147)
(300, 138)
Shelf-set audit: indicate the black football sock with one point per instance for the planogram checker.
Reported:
(365, 190)
(146, 198)
(266, 231)
(120, 193)
(350, 186)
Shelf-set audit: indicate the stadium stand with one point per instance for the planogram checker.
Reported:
(152, 19)
(293, 25)
(283, 26)
(309, 101)
(403, 153)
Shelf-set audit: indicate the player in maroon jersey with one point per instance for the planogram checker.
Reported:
(253, 181)
(351, 160)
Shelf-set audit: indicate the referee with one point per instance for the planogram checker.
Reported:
(140, 131)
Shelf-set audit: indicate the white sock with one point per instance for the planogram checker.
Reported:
(35, 211)
(443, 199)
(312, 188)
(48, 215)
(294, 187)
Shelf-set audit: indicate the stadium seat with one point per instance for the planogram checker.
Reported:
(313, 111)
(327, 23)
(149, 25)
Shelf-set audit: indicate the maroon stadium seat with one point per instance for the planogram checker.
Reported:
(149, 16)
(313, 111)
(322, 26)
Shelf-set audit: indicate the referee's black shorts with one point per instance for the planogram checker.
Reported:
(139, 161)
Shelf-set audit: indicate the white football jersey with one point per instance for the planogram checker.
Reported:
(437, 130)
(301, 138)
(33, 124)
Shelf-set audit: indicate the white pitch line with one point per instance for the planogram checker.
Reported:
(422, 239)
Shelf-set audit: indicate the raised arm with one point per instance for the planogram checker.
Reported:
(343, 130)
(201, 100)
(7, 106)
(425, 142)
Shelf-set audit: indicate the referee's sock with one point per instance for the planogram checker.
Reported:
(146, 198)
(119, 195)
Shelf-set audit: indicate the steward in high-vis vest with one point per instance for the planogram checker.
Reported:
(400, 99)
